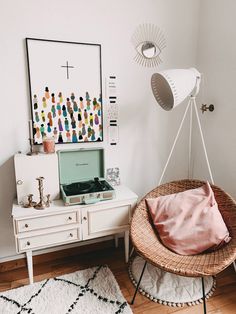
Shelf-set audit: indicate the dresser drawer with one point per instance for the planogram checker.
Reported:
(48, 239)
(31, 224)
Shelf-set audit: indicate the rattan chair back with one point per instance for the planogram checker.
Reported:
(147, 244)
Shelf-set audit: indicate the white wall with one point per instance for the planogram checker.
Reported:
(216, 59)
(146, 131)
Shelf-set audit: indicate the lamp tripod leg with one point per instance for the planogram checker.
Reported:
(190, 140)
(176, 138)
(203, 141)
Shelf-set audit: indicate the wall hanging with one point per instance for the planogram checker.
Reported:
(148, 41)
(112, 111)
(65, 90)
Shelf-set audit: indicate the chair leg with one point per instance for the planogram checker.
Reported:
(131, 253)
(234, 263)
(204, 298)
(138, 284)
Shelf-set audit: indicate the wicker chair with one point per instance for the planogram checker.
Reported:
(147, 244)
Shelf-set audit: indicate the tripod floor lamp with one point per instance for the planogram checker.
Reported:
(171, 88)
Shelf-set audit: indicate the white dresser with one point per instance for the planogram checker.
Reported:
(59, 224)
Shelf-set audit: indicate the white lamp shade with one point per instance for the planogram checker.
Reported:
(171, 87)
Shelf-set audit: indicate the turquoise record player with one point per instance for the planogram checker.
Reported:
(81, 173)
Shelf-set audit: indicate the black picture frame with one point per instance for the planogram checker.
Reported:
(68, 124)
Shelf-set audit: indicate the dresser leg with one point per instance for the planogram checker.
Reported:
(30, 266)
(126, 239)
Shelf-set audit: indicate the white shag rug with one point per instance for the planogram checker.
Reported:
(89, 291)
(167, 288)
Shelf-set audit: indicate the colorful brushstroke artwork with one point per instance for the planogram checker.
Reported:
(65, 83)
(70, 118)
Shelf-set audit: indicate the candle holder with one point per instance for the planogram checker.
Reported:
(31, 140)
(32, 150)
(41, 204)
(48, 201)
(30, 203)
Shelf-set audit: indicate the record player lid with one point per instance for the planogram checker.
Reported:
(80, 165)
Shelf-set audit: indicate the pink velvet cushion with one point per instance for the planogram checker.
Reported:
(189, 222)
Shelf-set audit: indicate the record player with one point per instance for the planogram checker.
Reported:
(81, 174)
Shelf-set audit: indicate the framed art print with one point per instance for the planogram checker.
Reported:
(65, 90)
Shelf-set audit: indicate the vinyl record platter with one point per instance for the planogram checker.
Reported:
(90, 186)
(77, 167)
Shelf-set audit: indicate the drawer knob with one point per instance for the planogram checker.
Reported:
(26, 225)
(28, 243)
(71, 235)
(70, 218)
(19, 182)
(84, 218)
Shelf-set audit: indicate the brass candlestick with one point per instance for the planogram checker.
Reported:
(32, 151)
(48, 201)
(30, 203)
(42, 204)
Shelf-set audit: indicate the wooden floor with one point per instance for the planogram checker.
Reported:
(14, 274)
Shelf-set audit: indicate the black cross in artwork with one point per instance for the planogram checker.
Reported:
(67, 68)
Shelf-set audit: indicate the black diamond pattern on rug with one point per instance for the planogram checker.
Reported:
(90, 291)
(23, 308)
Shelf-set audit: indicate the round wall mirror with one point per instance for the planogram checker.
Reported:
(148, 41)
(148, 49)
